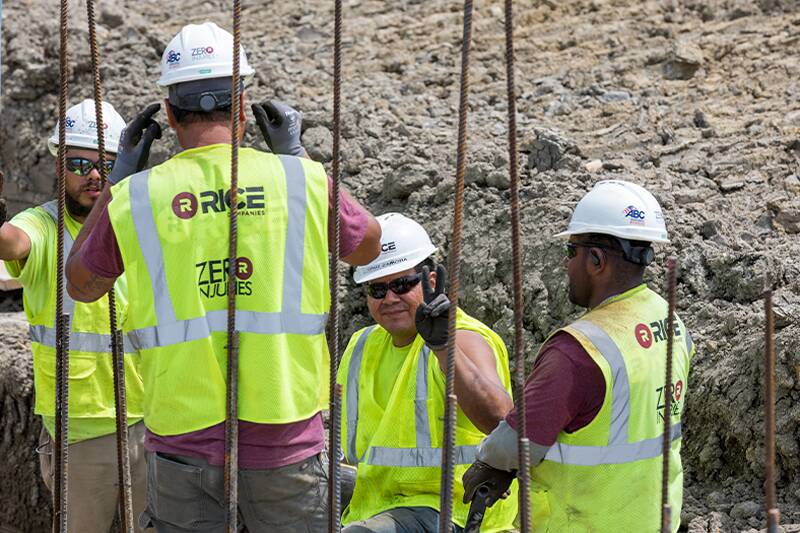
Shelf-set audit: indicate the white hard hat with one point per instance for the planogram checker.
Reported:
(200, 51)
(81, 127)
(404, 245)
(619, 208)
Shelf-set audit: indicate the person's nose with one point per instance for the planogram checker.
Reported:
(391, 297)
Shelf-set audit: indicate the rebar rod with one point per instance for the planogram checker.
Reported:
(448, 445)
(61, 320)
(117, 353)
(666, 510)
(773, 515)
(231, 469)
(516, 251)
(334, 445)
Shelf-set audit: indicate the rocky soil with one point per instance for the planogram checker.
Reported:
(697, 100)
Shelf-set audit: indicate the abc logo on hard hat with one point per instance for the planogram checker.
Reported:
(81, 128)
(404, 245)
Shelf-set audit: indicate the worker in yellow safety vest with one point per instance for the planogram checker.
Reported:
(393, 388)
(28, 244)
(169, 226)
(595, 399)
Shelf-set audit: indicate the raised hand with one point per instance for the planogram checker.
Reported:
(432, 315)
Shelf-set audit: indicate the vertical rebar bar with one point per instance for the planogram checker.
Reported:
(516, 251)
(773, 515)
(117, 353)
(61, 320)
(448, 445)
(666, 510)
(231, 470)
(334, 445)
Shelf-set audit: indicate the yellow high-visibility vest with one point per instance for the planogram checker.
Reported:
(172, 225)
(606, 477)
(398, 449)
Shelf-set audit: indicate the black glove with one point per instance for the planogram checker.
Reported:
(484, 481)
(2, 200)
(280, 125)
(134, 144)
(432, 316)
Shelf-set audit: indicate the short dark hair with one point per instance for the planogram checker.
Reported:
(185, 117)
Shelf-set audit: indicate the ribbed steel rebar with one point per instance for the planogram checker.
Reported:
(334, 445)
(773, 515)
(448, 459)
(117, 353)
(61, 321)
(516, 251)
(666, 511)
(231, 470)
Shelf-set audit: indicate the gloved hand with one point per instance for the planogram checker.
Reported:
(134, 144)
(432, 316)
(484, 481)
(2, 200)
(280, 125)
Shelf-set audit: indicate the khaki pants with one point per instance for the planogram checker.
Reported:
(185, 494)
(92, 489)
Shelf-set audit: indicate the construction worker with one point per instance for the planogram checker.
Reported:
(595, 399)
(393, 388)
(28, 244)
(167, 228)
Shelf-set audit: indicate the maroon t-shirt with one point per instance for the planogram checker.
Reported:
(261, 446)
(564, 392)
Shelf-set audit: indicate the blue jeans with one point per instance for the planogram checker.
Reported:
(401, 520)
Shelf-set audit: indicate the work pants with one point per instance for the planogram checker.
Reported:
(401, 520)
(92, 471)
(185, 494)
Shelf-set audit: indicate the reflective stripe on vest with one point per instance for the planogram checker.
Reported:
(172, 331)
(618, 450)
(423, 454)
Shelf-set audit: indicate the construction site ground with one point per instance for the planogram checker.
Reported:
(698, 100)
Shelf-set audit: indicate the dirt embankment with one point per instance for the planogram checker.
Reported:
(698, 101)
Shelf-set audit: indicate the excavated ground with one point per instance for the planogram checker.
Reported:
(697, 100)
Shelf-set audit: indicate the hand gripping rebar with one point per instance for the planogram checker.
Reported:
(666, 510)
(773, 514)
(448, 446)
(334, 445)
(231, 470)
(117, 352)
(61, 320)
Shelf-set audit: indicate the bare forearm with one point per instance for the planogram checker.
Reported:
(91, 220)
(84, 285)
(483, 400)
(14, 243)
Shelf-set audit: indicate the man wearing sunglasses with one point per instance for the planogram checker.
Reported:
(595, 399)
(28, 245)
(393, 387)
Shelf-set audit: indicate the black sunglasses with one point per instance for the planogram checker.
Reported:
(397, 286)
(571, 248)
(82, 166)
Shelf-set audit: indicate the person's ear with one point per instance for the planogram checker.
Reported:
(171, 120)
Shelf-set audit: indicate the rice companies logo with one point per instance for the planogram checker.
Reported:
(70, 122)
(173, 58)
(634, 215)
(185, 205)
(656, 331)
(212, 277)
(202, 52)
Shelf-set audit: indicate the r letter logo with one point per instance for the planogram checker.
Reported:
(644, 336)
(184, 205)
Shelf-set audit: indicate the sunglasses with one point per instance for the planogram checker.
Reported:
(571, 248)
(82, 167)
(397, 286)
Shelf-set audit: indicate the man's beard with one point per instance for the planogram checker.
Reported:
(76, 209)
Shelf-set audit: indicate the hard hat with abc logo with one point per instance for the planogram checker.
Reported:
(81, 128)
(200, 51)
(404, 245)
(621, 209)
